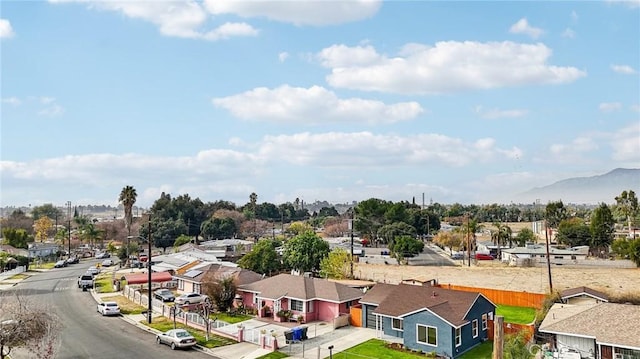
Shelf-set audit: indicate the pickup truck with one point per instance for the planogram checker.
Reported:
(85, 280)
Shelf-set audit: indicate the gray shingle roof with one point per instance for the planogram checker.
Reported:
(572, 292)
(302, 288)
(608, 323)
(450, 305)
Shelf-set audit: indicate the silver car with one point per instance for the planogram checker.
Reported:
(176, 338)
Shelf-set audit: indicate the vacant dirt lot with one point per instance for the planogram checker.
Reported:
(613, 281)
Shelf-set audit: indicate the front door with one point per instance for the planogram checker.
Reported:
(606, 352)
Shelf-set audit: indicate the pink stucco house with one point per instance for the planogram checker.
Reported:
(312, 298)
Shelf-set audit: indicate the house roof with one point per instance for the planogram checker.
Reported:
(450, 305)
(156, 277)
(579, 291)
(241, 276)
(378, 293)
(302, 288)
(538, 249)
(607, 323)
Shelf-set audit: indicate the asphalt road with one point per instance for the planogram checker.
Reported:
(431, 256)
(85, 333)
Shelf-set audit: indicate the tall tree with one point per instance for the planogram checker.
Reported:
(262, 259)
(47, 210)
(336, 265)
(17, 238)
(627, 206)
(128, 197)
(304, 252)
(555, 212)
(602, 229)
(221, 290)
(43, 227)
(574, 232)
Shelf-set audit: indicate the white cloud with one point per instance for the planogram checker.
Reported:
(635, 108)
(624, 69)
(496, 113)
(6, 31)
(625, 144)
(174, 18)
(574, 17)
(315, 13)
(444, 68)
(610, 106)
(45, 100)
(283, 56)
(51, 111)
(14, 101)
(569, 33)
(314, 105)
(523, 27)
(368, 150)
(630, 3)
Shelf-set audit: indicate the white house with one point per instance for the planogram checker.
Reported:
(533, 254)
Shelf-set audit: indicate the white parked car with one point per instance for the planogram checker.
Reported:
(107, 263)
(191, 298)
(176, 338)
(93, 270)
(108, 308)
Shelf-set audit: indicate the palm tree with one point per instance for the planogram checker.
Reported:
(128, 198)
(628, 206)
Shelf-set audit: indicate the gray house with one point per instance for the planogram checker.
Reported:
(428, 319)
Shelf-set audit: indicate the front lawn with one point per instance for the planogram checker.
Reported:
(19, 276)
(517, 315)
(126, 306)
(274, 355)
(375, 348)
(231, 319)
(163, 324)
(482, 351)
(103, 283)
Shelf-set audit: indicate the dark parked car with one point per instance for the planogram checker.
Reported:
(164, 295)
(60, 264)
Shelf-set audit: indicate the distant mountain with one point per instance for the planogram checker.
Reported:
(587, 190)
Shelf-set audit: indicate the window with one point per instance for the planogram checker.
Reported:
(427, 335)
(396, 324)
(310, 307)
(180, 284)
(196, 288)
(295, 305)
(558, 257)
(474, 328)
(484, 322)
(255, 300)
(458, 337)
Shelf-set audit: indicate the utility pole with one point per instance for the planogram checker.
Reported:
(69, 231)
(351, 228)
(546, 236)
(150, 310)
(498, 337)
(468, 240)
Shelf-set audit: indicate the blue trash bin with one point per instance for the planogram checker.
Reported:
(297, 333)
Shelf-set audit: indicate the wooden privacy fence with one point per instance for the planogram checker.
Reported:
(504, 297)
(355, 317)
(511, 328)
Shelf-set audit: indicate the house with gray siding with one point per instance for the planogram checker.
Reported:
(428, 319)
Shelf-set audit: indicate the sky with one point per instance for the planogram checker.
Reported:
(468, 102)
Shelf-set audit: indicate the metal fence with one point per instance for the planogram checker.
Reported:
(10, 273)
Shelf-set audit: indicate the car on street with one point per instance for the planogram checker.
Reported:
(108, 308)
(164, 295)
(93, 270)
(107, 263)
(103, 255)
(73, 260)
(86, 281)
(457, 255)
(176, 338)
(60, 264)
(483, 257)
(191, 298)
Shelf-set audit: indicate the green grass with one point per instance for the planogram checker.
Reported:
(482, 351)
(375, 348)
(231, 319)
(126, 306)
(274, 355)
(20, 276)
(517, 315)
(103, 284)
(164, 324)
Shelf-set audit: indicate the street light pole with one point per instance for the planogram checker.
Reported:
(150, 311)
(69, 234)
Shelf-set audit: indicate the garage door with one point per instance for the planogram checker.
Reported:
(371, 318)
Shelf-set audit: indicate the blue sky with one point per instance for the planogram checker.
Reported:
(470, 102)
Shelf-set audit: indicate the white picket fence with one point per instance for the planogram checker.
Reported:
(10, 273)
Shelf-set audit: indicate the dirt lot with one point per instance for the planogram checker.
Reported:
(613, 281)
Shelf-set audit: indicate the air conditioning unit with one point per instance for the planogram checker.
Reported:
(618, 356)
